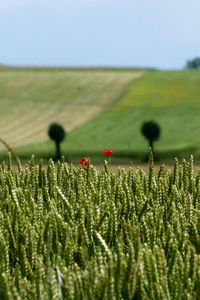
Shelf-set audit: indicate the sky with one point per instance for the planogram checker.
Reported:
(161, 34)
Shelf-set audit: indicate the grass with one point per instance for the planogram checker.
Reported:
(171, 98)
(107, 107)
(31, 99)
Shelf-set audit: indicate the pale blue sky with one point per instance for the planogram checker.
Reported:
(151, 33)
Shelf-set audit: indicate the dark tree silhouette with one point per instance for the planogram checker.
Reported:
(151, 131)
(193, 63)
(57, 133)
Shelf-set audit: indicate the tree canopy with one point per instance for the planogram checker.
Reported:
(193, 63)
(57, 133)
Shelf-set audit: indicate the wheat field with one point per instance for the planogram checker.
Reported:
(71, 233)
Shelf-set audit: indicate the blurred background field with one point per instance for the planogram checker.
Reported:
(99, 108)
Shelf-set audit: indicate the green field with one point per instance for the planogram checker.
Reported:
(100, 108)
(67, 233)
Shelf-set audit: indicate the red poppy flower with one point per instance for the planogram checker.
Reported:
(83, 162)
(108, 152)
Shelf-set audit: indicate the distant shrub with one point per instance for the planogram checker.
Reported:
(151, 131)
(193, 63)
(57, 133)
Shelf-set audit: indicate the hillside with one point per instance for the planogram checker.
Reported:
(104, 109)
(172, 98)
(33, 98)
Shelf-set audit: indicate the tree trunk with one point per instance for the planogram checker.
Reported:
(58, 153)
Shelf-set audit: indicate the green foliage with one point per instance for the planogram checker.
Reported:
(193, 63)
(67, 233)
(56, 132)
(151, 130)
